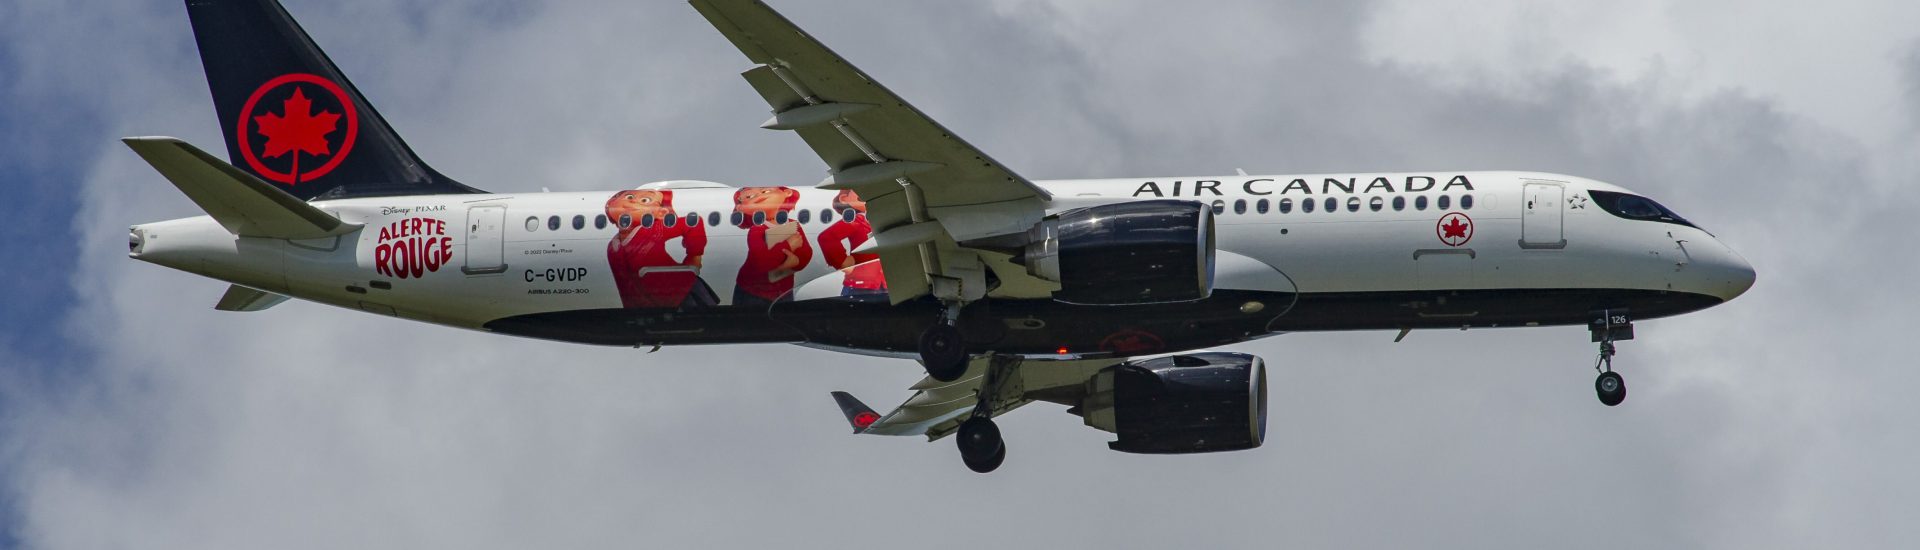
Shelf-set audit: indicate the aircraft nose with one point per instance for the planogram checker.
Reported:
(1729, 274)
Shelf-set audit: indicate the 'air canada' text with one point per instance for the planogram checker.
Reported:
(1305, 186)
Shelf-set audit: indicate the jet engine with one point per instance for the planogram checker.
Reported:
(1196, 403)
(1126, 253)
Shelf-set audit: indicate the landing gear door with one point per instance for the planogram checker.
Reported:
(486, 240)
(1542, 222)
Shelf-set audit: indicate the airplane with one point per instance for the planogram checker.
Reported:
(1107, 296)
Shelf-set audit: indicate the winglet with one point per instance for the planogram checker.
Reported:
(859, 415)
(242, 203)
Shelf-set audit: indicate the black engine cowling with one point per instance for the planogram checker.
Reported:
(1126, 253)
(1197, 403)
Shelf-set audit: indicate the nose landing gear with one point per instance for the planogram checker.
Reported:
(1610, 325)
(1610, 386)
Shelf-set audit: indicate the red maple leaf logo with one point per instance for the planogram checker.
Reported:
(300, 129)
(865, 419)
(1454, 229)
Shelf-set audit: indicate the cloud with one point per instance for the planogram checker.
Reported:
(1773, 421)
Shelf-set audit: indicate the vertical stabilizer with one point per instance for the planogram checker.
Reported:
(291, 118)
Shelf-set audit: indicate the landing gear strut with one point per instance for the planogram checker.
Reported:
(978, 437)
(943, 350)
(1610, 325)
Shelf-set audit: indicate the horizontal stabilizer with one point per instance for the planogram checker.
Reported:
(240, 298)
(242, 203)
(859, 415)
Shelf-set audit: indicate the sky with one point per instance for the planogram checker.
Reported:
(133, 415)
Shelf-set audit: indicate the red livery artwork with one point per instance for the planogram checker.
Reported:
(776, 244)
(862, 271)
(412, 247)
(644, 269)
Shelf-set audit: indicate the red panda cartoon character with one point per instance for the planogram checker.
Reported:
(776, 244)
(646, 274)
(863, 276)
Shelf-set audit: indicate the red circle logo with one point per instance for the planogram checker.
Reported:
(299, 128)
(1454, 229)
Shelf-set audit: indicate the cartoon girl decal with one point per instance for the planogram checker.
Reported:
(645, 273)
(862, 271)
(776, 244)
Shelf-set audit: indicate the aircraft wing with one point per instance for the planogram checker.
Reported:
(926, 189)
(937, 408)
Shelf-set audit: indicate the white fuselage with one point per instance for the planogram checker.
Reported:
(467, 260)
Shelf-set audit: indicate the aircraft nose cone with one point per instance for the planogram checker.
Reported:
(1732, 275)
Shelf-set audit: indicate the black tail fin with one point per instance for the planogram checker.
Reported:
(291, 118)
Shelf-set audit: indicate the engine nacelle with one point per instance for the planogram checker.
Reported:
(1197, 403)
(1125, 253)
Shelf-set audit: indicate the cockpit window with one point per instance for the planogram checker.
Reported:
(1635, 207)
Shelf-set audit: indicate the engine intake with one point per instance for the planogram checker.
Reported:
(1198, 403)
(1125, 253)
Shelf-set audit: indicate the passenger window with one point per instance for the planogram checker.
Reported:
(646, 220)
(713, 219)
(1306, 205)
(1466, 202)
(553, 222)
(693, 220)
(1445, 202)
(1286, 206)
(1260, 206)
(739, 219)
(1353, 204)
(1240, 206)
(826, 215)
(848, 215)
(806, 216)
(1376, 203)
(1420, 202)
(600, 221)
(759, 218)
(579, 222)
(671, 221)
(1332, 205)
(1219, 207)
(533, 223)
(1399, 203)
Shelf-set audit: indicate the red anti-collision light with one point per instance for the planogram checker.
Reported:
(1062, 350)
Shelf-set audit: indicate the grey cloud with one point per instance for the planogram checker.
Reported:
(1767, 422)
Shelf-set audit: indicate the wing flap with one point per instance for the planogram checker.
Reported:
(936, 408)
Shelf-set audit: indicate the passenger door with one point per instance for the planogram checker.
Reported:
(486, 240)
(1542, 223)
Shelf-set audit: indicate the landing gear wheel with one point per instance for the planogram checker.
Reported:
(1611, 387)
(985, 466)
(943, 352)
(980, 444)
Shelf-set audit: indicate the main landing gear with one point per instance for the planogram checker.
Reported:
(943, 350)
(1607, 326)
(978, 437)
